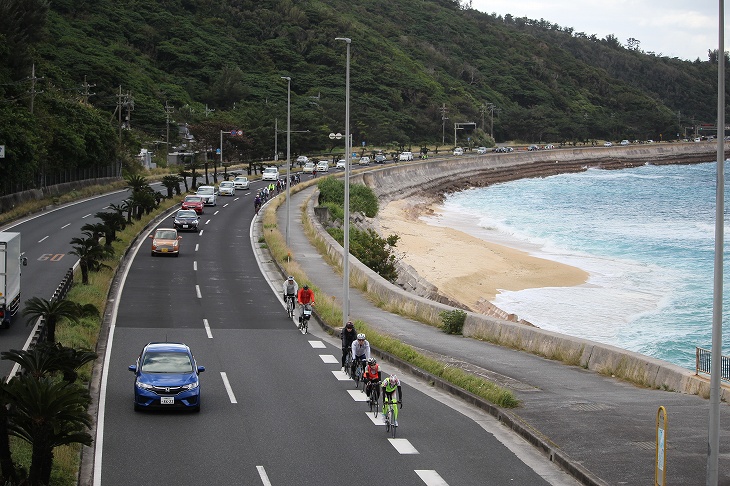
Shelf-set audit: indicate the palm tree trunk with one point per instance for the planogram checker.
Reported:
(7, 468)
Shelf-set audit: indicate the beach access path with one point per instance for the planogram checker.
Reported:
(598, 428)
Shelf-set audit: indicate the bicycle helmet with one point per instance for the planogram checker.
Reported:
(360, 337)
(290, 278)
(306, 287)
(372, 362)
(394, 380)
(349, 325)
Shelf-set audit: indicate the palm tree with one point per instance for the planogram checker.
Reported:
(47, 413)
(114, 222)
(90, 254)
(47, 359)
(136, 183)
(171, 182)
(184, 174)
(7, 466)
(51, 311)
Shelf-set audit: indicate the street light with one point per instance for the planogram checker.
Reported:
(288, 150)
(346, 254)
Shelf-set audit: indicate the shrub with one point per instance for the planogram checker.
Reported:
(453, 321)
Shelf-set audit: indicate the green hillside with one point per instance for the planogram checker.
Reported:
(217, 65)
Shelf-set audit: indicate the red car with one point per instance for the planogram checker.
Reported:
(193, 202)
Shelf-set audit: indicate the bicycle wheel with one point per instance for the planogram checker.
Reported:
(305, 326)
(374, 391)
(290, 307)
(388, 418)
(358, 375)
(392, 428)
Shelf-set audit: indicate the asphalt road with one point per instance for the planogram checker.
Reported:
(276, 409)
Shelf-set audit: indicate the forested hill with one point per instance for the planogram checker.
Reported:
(413, 63)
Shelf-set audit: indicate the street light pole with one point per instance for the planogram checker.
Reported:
(346, 254)
(288, 151)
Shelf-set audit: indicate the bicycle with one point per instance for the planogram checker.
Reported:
(374, 388)
(359, 370)
(304, 318)
(290, 304)
(348, 364)
(390, 424)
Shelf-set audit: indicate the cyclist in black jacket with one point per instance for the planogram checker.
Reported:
(348, 336)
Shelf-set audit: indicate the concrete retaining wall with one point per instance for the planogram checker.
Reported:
(400, 181)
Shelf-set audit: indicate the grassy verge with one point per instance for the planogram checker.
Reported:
(331, 313)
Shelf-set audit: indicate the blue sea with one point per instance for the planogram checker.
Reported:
(645, 235)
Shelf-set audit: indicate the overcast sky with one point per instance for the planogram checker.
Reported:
(673, 28)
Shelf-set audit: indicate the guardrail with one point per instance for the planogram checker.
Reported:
(703, 361)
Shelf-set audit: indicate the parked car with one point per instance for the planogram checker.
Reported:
(193, 202)
(166, 376)
(209, 195)
(458, 151)
(186, 219)
(341, 164)
(301, 160)
(270, 174)
(405, 156)
(364, 160)
(323, 166)
(241, 182)
(380, 159)
(226, 188)
(482, 150)
(165, 241)
(309, 168)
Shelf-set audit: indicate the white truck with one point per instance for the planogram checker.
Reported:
(11, 260)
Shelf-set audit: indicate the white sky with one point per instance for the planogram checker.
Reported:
(673, 28)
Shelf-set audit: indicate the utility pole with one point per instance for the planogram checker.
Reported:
(85, 91)
(168, 112)
(443, 124)
(491, 107)
(33, 92)
(482, 111)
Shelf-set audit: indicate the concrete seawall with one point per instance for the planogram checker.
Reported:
(439, 176)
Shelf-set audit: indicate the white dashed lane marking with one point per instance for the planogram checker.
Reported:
(357, 395)
(317, 344)
(403, 446)
(431, 477)
(340, 375)
(328, 358)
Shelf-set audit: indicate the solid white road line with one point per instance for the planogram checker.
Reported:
(358, 396)
(317, 344)
(340, 375)
(207, 328)
(431, 477)
(403, 446)
(229, 390)
(328, 358)
(264, 477)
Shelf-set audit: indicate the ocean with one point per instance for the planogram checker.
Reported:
(645, 235)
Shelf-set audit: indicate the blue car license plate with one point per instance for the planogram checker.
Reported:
(167, 400)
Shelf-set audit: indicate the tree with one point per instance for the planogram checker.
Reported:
(47, 413)
(113, 222)
(171, 183)
(90, 254)
(51, 311)
(48, 359)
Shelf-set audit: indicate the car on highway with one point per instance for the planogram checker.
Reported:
(405, 156)
(364, 160)
(458, 151)
(226, 188)
(301, 160)
(309, 168)
(209, 195)
(270, 174)
(533, 148)
(380, 159)
(548, 147)
(165, 241)
(193, 202)
(166, 376)
(482, 150)
(340, 164)
(323, 166)
(186, 220)
(625, 142)
(241, 182)
(607, 144)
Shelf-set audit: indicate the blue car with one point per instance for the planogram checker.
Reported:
(167, 377)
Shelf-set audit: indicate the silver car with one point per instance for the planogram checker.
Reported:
(241, 182)
(226, 188)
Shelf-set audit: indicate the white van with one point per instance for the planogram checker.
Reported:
(270, 174)
(458, 151)
(405, 156)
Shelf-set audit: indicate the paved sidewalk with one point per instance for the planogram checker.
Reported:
(601, 430)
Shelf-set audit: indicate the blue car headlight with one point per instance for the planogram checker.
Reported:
(191, 386)
(143, 385)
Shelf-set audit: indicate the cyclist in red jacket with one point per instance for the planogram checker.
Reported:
(304, 296)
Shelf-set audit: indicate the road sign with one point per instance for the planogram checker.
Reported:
(2, 151)
(337, 136)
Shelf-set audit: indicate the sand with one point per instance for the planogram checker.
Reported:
(464, 268)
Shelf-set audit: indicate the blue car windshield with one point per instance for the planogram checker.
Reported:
(166, 362)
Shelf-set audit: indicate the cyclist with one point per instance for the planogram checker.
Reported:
(360, 351)
(290, 289)
(348, 336)
(390, 385)
(371, 377)
(304, 296)
(257, 202)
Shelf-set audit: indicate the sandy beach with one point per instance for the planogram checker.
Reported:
(464, 268)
